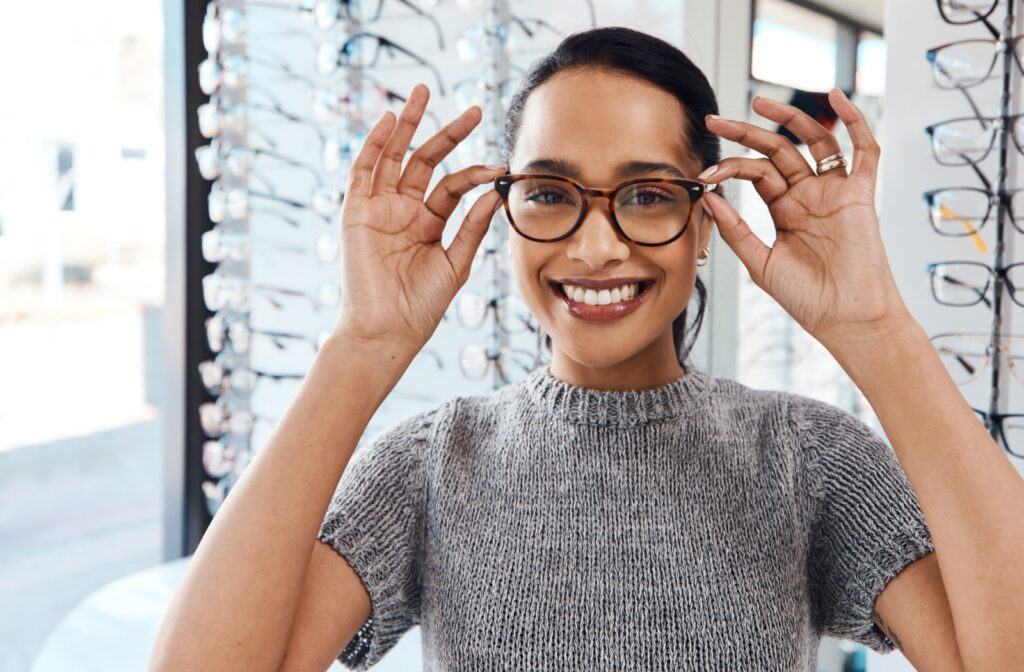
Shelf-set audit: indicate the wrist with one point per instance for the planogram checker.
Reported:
(383, 362)
(883, 349)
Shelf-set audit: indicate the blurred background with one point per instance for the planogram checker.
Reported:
(170, 181)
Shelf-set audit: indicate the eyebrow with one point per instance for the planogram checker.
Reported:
(626, 169)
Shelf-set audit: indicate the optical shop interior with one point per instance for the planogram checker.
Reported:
(479, 335)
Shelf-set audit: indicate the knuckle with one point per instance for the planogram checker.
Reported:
(394, 154)
(452, 137)
(424, 158)
(449, 193)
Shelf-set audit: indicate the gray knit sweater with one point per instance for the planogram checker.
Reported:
(698, 525)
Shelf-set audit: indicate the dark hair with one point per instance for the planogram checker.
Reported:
(652, 60)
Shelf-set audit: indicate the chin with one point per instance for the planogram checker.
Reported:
(596, 358)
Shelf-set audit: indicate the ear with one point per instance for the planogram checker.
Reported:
(707, 223)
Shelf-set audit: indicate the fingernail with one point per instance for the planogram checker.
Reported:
(708, 172)
(499, 166)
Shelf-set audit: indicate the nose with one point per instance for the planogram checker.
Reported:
(596, 242)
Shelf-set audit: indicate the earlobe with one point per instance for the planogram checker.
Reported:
(707, 223)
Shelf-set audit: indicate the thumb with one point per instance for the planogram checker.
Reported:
(752, 252)
(463, 247)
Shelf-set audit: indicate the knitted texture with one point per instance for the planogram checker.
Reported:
(697, 525)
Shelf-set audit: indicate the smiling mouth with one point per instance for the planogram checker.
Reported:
(642, 289)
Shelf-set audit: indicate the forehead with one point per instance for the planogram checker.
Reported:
(599, 119)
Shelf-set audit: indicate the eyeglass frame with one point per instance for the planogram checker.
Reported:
(696, 188)
(994, 197)
(997, 273)
(1006, 45)
(978, 16)
(998, 123)
(989, 419)
(983, 340)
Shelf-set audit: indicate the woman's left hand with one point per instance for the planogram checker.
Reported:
(827, 267)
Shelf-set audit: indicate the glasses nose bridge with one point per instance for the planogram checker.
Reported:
(597, 192)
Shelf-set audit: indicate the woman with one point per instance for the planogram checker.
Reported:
(620, 508)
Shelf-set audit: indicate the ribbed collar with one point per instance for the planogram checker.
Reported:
(617, 408)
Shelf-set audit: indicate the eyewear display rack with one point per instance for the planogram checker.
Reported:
(1002, 137)
(243, 193)
(262, 78)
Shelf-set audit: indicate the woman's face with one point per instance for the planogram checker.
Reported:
(596, 127)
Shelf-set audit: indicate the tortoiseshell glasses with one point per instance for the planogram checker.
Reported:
(646, 211)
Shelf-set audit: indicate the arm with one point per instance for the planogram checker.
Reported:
(913, 612)
(968, 489)
(828, 269)
(239, 599)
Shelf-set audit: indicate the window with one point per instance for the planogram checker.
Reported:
(870, 64)
(793, 46)
(81, 300)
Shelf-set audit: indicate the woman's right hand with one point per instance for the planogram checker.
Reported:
(397, 280)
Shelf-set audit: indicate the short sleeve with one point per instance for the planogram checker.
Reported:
(376, 521)
(866, 523)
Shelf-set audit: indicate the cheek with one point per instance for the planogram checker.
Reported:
(525, 269)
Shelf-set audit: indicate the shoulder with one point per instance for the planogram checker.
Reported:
(806, 417)
(821, 426)
(740, 408)
(473, 415)
(401, 443)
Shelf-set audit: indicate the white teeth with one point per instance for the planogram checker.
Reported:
(603, 297)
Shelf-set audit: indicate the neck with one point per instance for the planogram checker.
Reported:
(653, 366)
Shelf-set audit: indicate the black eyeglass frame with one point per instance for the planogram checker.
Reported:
(978, 16)
(993, 274)
(695, 188)
(989, 419)
(993, 200)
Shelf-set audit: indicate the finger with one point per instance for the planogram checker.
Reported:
(738, 236)
(389, 164)
(361, 170)
(463, 247)
(420, 167)
(819, 140)
(865, 148)
(449, 191)
(783, 153)
(762, 173)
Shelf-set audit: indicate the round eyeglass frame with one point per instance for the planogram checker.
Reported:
(696, 189)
